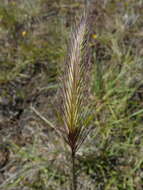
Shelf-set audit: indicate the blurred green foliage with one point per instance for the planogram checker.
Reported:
(29, 36)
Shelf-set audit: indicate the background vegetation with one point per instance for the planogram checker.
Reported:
(33, 38)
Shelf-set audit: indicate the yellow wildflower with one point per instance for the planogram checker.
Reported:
(24, 33)
(94, 36)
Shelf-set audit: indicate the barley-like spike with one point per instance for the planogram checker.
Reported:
(73, 88)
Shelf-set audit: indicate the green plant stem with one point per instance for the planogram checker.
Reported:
(74, 179)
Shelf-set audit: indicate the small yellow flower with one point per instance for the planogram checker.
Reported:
(94, 36)
(24, 33)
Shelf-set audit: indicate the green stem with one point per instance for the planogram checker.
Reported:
(74, 182)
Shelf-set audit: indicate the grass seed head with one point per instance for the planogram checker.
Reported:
(73, 113)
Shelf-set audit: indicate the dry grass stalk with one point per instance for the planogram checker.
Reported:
(75, 118)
